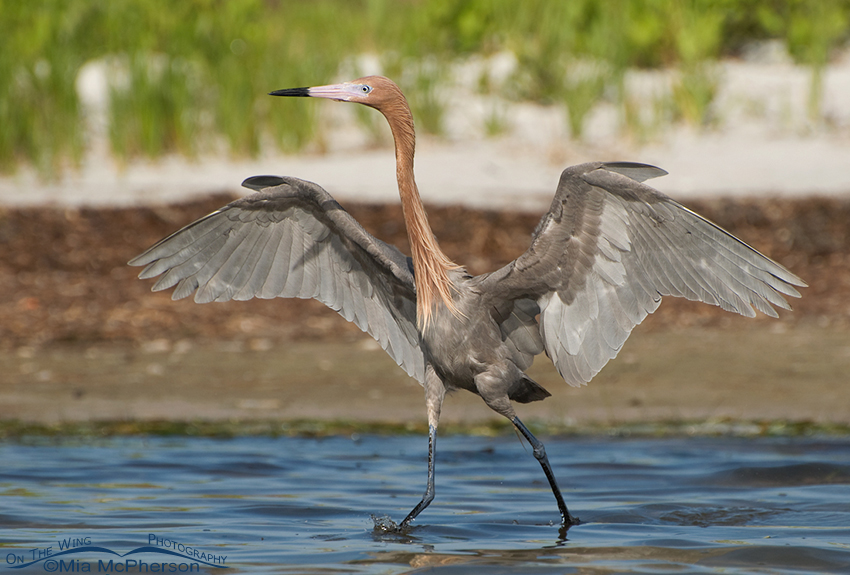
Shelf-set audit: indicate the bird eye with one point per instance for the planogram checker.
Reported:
(365, 89)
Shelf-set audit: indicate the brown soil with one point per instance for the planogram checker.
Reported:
(64, 278)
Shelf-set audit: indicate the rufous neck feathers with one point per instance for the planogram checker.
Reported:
(430, 264)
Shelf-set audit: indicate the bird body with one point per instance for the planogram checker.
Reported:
(600, 259)
(471, 350)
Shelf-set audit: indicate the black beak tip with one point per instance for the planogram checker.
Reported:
(297, 92)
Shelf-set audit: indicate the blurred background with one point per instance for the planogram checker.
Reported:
(121, 121)
(191, 77)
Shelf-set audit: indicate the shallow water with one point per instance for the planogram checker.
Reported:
(300, 505)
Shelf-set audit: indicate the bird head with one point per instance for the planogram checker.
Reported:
(373, 91)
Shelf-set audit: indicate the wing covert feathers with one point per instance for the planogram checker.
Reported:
(294, 240)
(607, 251)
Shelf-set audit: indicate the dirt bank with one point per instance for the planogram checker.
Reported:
(64, 277)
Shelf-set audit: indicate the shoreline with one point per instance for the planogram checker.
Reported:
(223, 430)
(725, 377)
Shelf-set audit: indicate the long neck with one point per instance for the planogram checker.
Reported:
(430, 264)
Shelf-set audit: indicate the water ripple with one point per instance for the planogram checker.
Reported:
(298, 505)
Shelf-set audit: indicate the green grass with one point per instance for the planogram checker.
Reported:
(70, 431)
(191, 77)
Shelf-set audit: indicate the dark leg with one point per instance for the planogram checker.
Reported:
(567, 520)
(429, 490)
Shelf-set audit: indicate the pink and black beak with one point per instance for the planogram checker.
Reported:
(346, 92)
(297, 92)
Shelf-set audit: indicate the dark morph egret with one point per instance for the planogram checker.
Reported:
(599, 262)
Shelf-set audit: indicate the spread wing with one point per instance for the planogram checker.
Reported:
(292, 239)
(607, 251)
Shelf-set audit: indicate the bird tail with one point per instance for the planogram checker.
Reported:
(527, 390)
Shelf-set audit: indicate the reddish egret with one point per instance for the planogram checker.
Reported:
(600, 260)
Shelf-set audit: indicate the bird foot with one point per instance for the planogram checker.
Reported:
(569, 521)
(384, 525)
(566, 523)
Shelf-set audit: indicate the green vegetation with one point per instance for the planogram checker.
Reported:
(191, 76)
(71, 431)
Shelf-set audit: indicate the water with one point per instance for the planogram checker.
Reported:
(300, 505)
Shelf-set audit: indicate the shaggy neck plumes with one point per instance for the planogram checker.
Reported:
(430, 264)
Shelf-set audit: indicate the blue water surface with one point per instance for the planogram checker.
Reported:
(305, 505)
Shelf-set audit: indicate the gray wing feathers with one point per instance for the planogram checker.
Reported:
(598, 273)
(520, 333)
(634, 171)
(690, 257)
(294, 240)
(582, 336)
